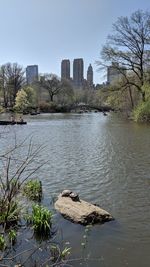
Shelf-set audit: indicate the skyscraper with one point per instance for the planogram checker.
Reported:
(65, 69)
(90, 76)
(31, 74)
(115, 73)
(78, 72)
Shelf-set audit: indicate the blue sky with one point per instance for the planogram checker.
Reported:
(44, 32)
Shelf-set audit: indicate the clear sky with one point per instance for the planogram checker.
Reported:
(44, 32)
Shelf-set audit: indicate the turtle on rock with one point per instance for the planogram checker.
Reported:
(66, 193)
(74, 196)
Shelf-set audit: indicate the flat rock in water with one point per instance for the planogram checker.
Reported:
(81, 211)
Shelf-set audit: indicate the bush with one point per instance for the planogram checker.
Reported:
(47, 107)
(33, 190)
(9, 212)
(142, 112)
(41, 219)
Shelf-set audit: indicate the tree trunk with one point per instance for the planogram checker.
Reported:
(143, 96)
(52, 97)
(131, 98)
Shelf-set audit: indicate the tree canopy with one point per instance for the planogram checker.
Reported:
(52, 84)
(129, 47)
(11, 80)
(25, 99)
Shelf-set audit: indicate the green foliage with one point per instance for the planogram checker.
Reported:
(146, 89)
(41, 219)
(9, 212)
(2, 242)
(12, 236)
(65, 253)
(25, 99)
(21, 101)
(31, 96)
(57, 253)
(114, 100)
(142, 112)
(33, 190)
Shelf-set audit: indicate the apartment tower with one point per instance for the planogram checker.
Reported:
(65, 69)
(115, 73)
(90, 76)
(32, 74)
(78, 69)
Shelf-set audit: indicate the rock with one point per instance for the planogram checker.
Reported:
(81, 211)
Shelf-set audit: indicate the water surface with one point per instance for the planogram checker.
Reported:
(107, 161)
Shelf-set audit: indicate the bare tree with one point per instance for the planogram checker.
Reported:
(66, 94)
(129, 48)
(3, 86)
(12, 79)
(52, 84)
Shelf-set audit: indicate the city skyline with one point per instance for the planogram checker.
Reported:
(77, 78)
(77, 70)
(50, 30)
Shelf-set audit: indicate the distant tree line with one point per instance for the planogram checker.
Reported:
(49, 93)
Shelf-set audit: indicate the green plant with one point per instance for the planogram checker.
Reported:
(58, 255)
(2, 242)
(33, 190)
(12, 236)
(9, 212)
(65, 253)
(41, 219)
(142, 112)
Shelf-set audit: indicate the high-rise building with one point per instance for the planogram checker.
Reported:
(78, 72)
(65, 69)
(32, 74)
(115, 73)
(90, 76)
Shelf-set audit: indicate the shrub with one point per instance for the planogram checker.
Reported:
(142, 112)
(33, 190)
(9, 212)
(47, 107)
(41, 219)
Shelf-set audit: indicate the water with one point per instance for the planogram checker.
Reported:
(107, 161)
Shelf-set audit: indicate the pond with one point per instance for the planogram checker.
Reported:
(106, 160)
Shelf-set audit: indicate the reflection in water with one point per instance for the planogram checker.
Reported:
(107, 161)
